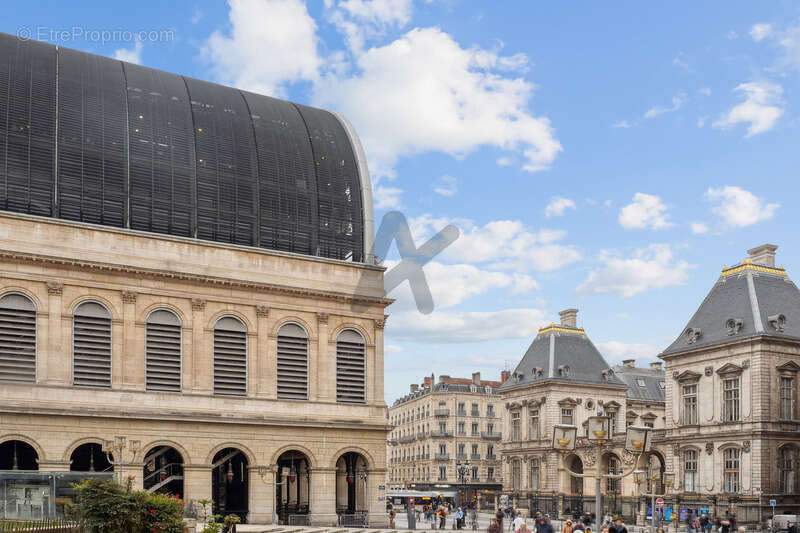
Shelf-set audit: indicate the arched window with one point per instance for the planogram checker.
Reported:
(230, 357)
(690, 471)
(17, 338)
(534, 481)
(612, 464)
(787, 465)
(351, 367)
(91, 346)
(163, 352)
(515, 474)
(292, 375)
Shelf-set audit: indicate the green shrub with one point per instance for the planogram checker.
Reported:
(105, 506)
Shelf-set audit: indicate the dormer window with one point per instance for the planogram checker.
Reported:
(640, 382)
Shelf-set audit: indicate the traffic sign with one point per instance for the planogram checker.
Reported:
(773, 503)
(660, 503)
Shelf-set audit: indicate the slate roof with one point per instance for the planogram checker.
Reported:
(747, 300)
(572, 350)
(449, 387)
(653, 380)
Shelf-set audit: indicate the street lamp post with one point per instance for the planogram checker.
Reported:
(262, 472)
(462, 469)
(653, 474)
(116, 449)
(599, 434)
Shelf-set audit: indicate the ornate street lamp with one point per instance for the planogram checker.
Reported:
(462, 469)
(262, 473)
(116, 448)
(653, 474)
(599, 434)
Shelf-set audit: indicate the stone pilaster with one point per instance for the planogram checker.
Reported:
(378, 364)
(131, 371)
(55, 366)
(265, 386)
(202, 363)
(261, 498)
(322, 367)
(197, 484)
(323, 491)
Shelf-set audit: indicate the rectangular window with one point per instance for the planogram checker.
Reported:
(462, 410)
(566, 416)
(490, 451)
(731, 400)
(461, 453)
(442, 473)
(490, 410)
(731, 472)
(690, 405)
(442, 427)
(443, 449)
(515, 427)
(533, 428)
(461, 428)
(474, 473)
(786, 398)
(474, 411)
(612, 484)
(474, 449)
(515, 467)
(490, 428)
(690, 471)
(490, 473)
(474, 428)
(534, 485)
(648, 424)
(612, 421)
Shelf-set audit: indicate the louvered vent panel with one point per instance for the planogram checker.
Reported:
(292, 368)
(17, 345)
(350, 372)
(163, 358)
(230, 362)
(91, 349)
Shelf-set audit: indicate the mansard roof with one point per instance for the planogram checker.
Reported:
(749, 299)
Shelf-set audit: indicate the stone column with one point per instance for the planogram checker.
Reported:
(378, 363)
(265, 386)
(131, 371)
(197, 485)
(261, 497)
(202, 362)
(376, 508)
(323, 495)
(322, 367)
(55, 365)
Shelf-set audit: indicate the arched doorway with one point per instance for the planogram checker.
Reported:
(352, 478)
(573, 503)
(655, 465)
(163, 471)
(89, 457)
(292, 486)
(230, 482)
(18, 455)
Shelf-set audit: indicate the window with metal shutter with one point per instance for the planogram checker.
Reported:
(230, 357)
(91, 346)
(17, 339)
(292, 363)
(163, 352)
(351, 367)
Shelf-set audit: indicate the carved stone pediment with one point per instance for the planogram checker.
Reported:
(788, 366)
(612, 405)
(729, 369)
(631, 414)
(568, 402)
(688, 376)
(649, 416)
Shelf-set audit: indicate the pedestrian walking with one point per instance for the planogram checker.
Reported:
(567, 527)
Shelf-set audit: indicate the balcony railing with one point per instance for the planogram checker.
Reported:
(475, 457)
(491, 436)
(407, 438)
(461, 413)
(491, 457)
(421, 435)
(442, 457)
(474, 413)
(440, 434)
(490, 414)
(461, 456)
(441, 412)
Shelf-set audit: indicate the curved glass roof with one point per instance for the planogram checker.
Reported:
(92, 139)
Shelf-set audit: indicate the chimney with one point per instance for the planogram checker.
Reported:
(414, 388)
(763, 255)
(476, 378)
(427, 382)
(569, 318)
(630, 363)
(656, 365)
(504, 375)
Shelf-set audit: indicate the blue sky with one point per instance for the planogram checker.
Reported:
(605, 156)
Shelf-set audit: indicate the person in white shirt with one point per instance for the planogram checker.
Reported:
(518, 521)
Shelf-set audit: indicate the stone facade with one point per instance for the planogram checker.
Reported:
(440, 424)
(59, 265)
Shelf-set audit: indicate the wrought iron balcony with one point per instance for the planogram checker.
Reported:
(441, 412)
(442, 457)
(441, 434)
(406, 439)
(491, 436)
(474, 413)
(491, 457)
(475, 457)
(461, 456)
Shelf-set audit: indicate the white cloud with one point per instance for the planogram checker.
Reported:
(761, 108)
(677, 102)
(500, 244)
(504, 161)
(698, 228)
(701, 122)
(424, 92)
(271, 43)
(617, 351)
(705, 91)
(197, 16)
(622, 124)
(387, 197)
(446, 186)
(738, 207)
(679, 61)
(557, 206)
(362, 20)
(523, 283)
(760, 31)
(131, 55)
(646, 211)
(648, 268)
(456, 326)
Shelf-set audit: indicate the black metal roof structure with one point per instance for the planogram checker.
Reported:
(92, 139)
(748, 300)
(562, 353)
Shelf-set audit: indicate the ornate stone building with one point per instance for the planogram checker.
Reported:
(438, 425)
(563, 379)
(187, 266)
(732, 419)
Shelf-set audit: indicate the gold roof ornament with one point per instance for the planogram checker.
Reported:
(553, 328)
(749, 265)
